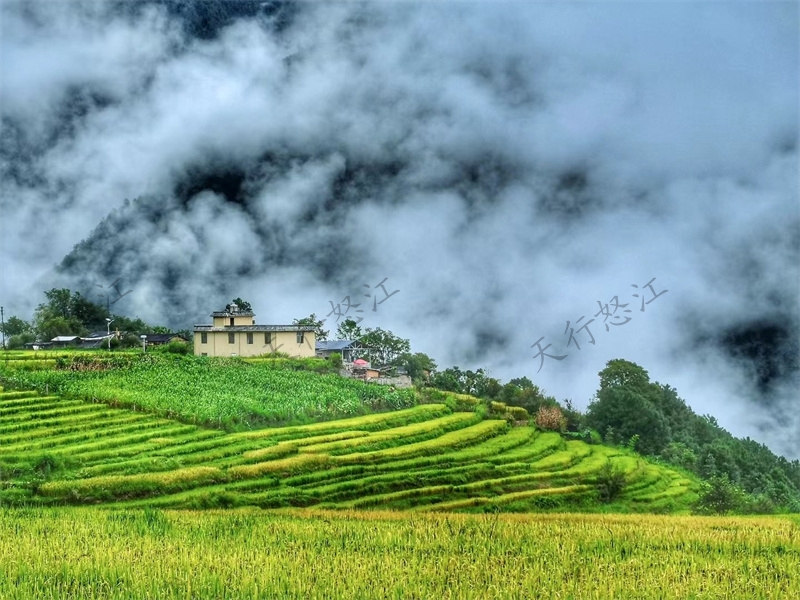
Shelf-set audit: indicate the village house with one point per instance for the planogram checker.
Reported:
(347, 348)
(234, 332)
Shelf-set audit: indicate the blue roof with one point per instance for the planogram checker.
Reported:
(334, 344)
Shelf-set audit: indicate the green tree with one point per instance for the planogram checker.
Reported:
(243, 305)
(384, 346)
(55, 326)
(628, 404)
(416, 364)
(629, 413)
(312, 321)
(720, 496)
(18, 341)
(16, 326)
(621, 373)
(349, 330)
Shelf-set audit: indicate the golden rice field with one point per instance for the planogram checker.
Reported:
(425, 458)
(90, 553)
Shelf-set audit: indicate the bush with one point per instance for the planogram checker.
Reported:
(175, 347)
(611, 482)
(550, 418)
(335, 361)
(720, 496)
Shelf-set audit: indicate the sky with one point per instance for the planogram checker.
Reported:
(513, 171)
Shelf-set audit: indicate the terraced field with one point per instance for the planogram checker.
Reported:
(422, 458)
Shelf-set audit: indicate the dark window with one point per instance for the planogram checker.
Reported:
(231, 338)
(203, 338)
(249, 338)
(268, 337)
(299, 337)
(231, 321)
(204, 354)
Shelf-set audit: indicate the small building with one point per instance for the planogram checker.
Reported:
(160, 339)
(96, 341)
(346, 348)
(62, 341)
(234, 332)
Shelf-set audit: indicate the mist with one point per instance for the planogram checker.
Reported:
(509, 169)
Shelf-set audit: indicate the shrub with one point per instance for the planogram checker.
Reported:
(550, 418)
(335, 361)
(611, 481)
(720, 496)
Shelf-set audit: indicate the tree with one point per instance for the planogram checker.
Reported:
(19, 340)
(384, 346)
(623, 373)
(348, 330)
(15, 326)
(628, 404)
(312, 321)
(55, 326)
(68, 313)
(416, 365)
(720, 496)
(243, 305)
(628, 413)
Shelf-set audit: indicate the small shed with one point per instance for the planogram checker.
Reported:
(62, 341)
(347, 348)
(159, 339)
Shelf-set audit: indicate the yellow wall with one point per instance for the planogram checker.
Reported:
(226, 321)
(282, 341)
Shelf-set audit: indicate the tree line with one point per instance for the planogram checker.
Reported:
(70, 313)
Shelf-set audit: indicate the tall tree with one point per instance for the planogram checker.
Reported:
(15, 326)
(312, 321)
(384, 346)
(348, 330)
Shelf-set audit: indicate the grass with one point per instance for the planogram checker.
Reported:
(127, 554)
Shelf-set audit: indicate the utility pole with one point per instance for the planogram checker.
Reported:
(3, 326)
(108, 331)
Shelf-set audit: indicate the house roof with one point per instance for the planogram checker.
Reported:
(238, 313)
(253, 328)
(65, 338)
(98, 335)
(162, 337)
(336, 344)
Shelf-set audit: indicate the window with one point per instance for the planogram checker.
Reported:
(249, 338)
(203, 338)
(231, 321)
(268, 338)
(231, 338)
(299, 337)
(204, 354)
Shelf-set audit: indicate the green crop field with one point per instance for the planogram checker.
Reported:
(424, 458)
(222, 392)
(90, 554)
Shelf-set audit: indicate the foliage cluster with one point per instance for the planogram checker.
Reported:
(628, 407)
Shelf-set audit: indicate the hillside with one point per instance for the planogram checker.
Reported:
(230, 393)
(427, 457)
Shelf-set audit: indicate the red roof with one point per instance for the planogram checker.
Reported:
(360, 361)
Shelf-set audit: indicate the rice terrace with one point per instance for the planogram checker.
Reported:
(371, 492)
